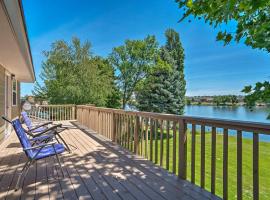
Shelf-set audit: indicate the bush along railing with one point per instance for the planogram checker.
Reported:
(208, 152)
(53, 112)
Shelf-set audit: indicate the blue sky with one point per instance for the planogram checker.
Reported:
(210, 68)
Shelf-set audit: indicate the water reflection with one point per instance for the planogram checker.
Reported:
(258, 114)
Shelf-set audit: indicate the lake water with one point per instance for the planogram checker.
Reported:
(258, 114)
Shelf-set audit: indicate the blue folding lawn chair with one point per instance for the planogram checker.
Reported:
(35, 152)
(34, 128)
(41, 129)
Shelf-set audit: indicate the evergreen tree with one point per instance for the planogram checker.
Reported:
(173, 53)
(174, 47)
(154, 95)
(164, 88)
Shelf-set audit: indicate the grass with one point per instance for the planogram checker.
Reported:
(264, 164)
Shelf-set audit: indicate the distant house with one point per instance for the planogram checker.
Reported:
(15, 60)
(31, 99)
(30, 102)
(206, 99)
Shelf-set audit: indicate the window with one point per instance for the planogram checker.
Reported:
(14, 92)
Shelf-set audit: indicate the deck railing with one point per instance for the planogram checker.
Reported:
(165, 139)
(53, 112)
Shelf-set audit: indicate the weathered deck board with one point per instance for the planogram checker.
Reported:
(96, 169)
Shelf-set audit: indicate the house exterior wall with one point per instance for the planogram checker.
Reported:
(15, 60)
(15, 110)
(2, 101)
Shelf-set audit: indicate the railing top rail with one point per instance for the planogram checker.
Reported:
(56, 105)
(248, 126)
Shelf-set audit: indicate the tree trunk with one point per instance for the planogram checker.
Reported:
(124, 104)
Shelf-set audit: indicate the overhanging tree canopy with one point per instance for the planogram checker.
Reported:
(251, 16)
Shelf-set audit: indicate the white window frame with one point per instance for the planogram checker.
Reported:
(16, 92)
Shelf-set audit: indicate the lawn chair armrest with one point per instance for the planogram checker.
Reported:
(48, 130)
(39, 126)
(45, 137)
(40, 146)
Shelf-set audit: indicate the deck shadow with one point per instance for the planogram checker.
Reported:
(147, 167)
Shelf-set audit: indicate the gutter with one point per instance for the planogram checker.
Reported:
(27, 38)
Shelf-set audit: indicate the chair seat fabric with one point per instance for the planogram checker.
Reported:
(48, 151)
(30, 125)
(40, 129)
(42, 138)
(26, 144)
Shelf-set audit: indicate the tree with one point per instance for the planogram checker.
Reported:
(173, 53)
(260, 92)
(221, 100)
(163, 90)
(114, 99)
(217, 100)
(252, 19)
(131, 62)
(188, 101)
(154, 94)
(233, 99)
(71, 74)
(225, 99)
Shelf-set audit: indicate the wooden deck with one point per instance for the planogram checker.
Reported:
(96, 169)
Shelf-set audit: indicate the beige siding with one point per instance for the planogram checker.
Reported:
(16, 109)
(2, 100)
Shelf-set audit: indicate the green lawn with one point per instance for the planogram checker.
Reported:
(264, 164)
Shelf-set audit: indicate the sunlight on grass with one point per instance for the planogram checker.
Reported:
(264, 163)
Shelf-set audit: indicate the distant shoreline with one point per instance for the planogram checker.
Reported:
(227, 105)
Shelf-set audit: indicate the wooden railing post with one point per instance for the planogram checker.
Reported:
(239, 166)
(182, 167)
(98, 129)
(136, 134)
(78, 115)
(213, 160)
(255, 166)
(74, 112)
(113, 127)
(225, 164)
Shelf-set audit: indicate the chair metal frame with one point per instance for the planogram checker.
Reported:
(55, 129)
(33, 159)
